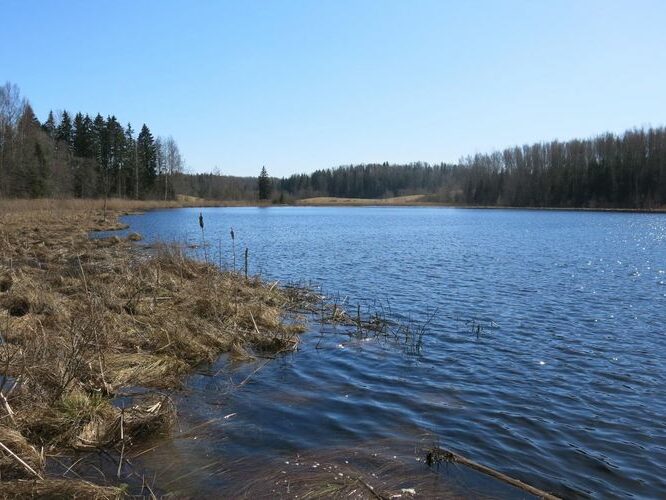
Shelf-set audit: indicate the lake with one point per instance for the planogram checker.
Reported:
(541, 355)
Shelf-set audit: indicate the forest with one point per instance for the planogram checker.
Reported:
(608, 171)
(90, 157)
(80, 156)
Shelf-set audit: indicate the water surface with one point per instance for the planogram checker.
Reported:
(543, 354)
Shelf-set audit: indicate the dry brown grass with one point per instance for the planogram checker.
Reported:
(77, 205)
(58, 488)
(82, 319)
(18, 458)
(409, 200)
(418, 200)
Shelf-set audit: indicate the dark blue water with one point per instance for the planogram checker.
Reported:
(543, 356)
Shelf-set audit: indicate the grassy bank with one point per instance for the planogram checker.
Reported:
(424, 200)
(117, 205)
(81, 320)
(84, 207)
(410, 200)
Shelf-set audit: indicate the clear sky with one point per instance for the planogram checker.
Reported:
(301, 85)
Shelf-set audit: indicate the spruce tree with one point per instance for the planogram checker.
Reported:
(82, 139)
(99, 139)
(64, 130)
(49, 126)
(85, 169)
(146, 158)
(264, 185)
(115, 164)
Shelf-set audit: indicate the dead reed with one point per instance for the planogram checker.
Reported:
(82, 319)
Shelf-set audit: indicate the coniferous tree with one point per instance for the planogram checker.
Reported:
(49, 126)
(265, 187)
(82, 141)
(31, 172)
(99, 140)
(146, 158)
(84, 166)
(131, 163)
(99, 151)
(64, 130)
(116, 154)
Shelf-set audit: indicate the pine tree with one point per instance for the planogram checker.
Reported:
(264, 185)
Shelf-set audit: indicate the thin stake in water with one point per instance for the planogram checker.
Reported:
(233, 246)
(246, 254)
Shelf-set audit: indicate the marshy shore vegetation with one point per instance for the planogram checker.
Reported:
(82, 320)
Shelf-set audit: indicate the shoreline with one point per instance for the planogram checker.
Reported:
(83, 320)
(121, 207)
(124, 306)
(412, 201)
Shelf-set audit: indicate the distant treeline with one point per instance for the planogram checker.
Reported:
(369, 181)
(626, 171)
(216, 186)
(89, 157)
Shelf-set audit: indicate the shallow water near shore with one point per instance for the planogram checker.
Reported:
(542, 355)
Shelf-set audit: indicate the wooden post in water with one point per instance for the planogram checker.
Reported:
(246, 252)
(233, 246)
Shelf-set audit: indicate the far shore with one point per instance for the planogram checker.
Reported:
(128, 205)
(421, 201)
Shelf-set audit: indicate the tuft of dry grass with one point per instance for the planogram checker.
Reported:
(18, 458)
(59, 488)
(81, 319)
(143, 369)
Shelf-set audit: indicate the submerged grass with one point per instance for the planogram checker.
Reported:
(366, 473)
(82, 319)
(59, 488)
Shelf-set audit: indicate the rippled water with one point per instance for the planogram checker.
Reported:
(543, 356)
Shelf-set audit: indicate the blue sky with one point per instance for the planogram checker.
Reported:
(301, 85)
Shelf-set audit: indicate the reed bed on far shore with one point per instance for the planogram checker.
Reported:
(81, 320)
(113, 205)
